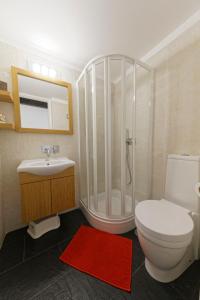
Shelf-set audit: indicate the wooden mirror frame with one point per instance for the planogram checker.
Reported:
(15, 86)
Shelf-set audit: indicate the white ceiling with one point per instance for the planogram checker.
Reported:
(77, 30)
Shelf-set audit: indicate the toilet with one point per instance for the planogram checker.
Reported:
(168, 229)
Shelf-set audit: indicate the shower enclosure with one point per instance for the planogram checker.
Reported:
(115, 105)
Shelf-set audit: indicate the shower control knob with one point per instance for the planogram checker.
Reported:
(129, 141)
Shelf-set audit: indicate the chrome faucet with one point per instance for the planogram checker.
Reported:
(49, 149)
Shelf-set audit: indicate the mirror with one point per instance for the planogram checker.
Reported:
(42, 105)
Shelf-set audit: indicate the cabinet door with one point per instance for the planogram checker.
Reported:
(36, 200)
(63, 194)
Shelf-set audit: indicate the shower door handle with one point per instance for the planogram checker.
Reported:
(129, 141)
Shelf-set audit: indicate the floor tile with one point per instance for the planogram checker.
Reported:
(196, 294)
(188, 284)
(145, 287)
(12, 251)
(50, 239)
(85, 287)
(58, 290)
(138, 256)
(72, 221)
(31, 277)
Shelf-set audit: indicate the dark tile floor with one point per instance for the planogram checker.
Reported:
(30, 269)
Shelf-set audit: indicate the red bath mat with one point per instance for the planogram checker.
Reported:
(105, 256)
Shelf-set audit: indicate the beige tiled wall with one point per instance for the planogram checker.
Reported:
(18, 146)
(177, 103)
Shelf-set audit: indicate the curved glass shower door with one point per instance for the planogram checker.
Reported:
(143, 130)
(107, 131)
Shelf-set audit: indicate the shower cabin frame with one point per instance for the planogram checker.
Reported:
(110, 223)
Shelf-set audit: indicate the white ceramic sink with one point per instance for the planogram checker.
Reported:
(44, 167)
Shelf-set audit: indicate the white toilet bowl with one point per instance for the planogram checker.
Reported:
(165, 233)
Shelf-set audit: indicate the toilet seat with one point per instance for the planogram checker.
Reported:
(164, 222)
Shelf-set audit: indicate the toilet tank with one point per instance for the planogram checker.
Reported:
(181, 177)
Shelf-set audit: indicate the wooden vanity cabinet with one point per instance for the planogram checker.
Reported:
(42, 196)
(36, 200)
(62, 192)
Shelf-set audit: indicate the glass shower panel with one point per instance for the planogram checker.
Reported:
(116, 125)
(100, 136)
(82, 142)
(129, 143)
(143, 134)
(115, 140)
(90, 138)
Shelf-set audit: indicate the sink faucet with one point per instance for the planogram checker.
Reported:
(48, 149)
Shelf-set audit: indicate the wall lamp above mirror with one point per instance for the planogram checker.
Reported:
(42, 104)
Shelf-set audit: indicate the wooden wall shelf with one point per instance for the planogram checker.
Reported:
(5, 96)
(6, 126)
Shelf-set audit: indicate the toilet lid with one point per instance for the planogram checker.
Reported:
(164, 220)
